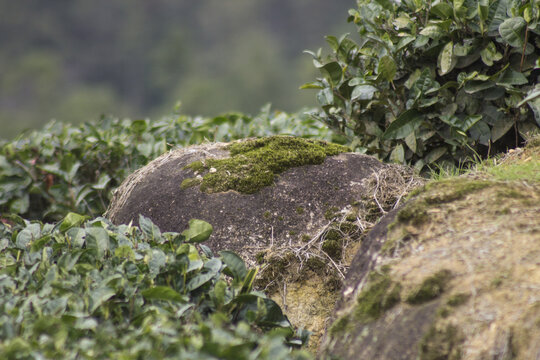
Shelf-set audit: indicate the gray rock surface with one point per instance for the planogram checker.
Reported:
(294, 206)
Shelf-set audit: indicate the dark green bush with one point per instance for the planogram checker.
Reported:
(434, 81)
(91, 290)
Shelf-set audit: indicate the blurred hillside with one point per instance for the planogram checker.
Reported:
(74, 60)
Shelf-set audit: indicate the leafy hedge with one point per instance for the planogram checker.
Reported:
(433, 81)
(46, 174)
(88, 289)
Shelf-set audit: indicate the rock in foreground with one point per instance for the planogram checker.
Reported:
(454, 274)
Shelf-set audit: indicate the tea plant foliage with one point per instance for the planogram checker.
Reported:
(88, 289)
(433, 81)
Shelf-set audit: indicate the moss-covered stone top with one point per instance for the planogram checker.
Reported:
(254, 163)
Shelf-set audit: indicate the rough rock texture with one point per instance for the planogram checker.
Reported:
(293, 207)
(452, 274)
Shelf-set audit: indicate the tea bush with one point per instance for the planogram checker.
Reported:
(47, 173)
(433, 81)
(89, 289)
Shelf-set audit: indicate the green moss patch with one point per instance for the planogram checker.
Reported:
(381, 294)
(333, 248)
(190, 182)
(431, 288)
(441, 344)
(255, 163)
(458, 299)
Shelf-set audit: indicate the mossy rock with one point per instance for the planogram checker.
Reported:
(452, 274)
(254, 192)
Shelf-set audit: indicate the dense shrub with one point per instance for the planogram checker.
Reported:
(47, 173)
(89, 289)
(434, 81)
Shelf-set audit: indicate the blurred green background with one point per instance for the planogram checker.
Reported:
(74, 60)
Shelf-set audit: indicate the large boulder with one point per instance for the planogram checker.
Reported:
(269, 191)
(453, 274)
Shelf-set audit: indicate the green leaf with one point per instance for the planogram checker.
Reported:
(40, 243)
(483, 12)
(325, 97)
(458, 4)
(124, 252)
(363, 92)
(68, 260)
(156, 260)
(357, 81)
(249, 279)
(332, 72)
(72, 220)
(144, 149)
(512, 31)
(410, 140)
(501, 127)
(20, 205)
(387, 68)
(469, 121)
(198, 231)
(76, 236)
(435, 154)
(312, 85)
(481, 132)
(139, 126)
(432, 32)
(475, 86)
(425, 84)
(102, 182)
(149, 228)
(405, 124)
(402, 22)
(511, 77)
(69, 166)
(497, 15)
(163, 293)
(534, 104)
(532, 94)
(404, 41)
(199, 280)
(235, 264)
(398, 154)
(489, 54)
(333, 42)
(99, 296)
(98, 240)
(271, 313)
(213, 265)
(447, 60)
(220, 290)
(27, 236)
(442, 10)
(386, 4)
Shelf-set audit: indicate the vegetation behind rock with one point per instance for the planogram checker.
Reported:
(441, 82)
